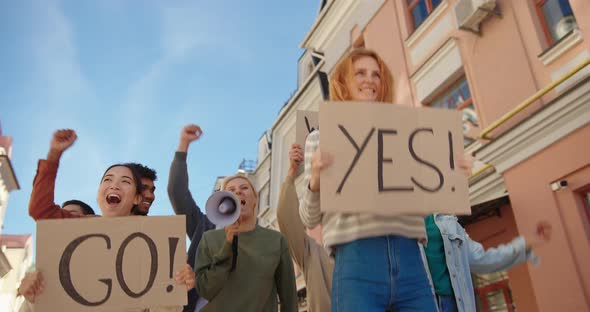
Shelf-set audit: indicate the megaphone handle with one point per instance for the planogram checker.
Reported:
(234, 249)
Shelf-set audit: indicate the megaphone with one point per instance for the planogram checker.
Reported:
(222, 208)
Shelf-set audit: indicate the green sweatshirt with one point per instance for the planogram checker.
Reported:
(264, 270)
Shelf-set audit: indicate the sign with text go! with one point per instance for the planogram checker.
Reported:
(99, 264)
(392, 160)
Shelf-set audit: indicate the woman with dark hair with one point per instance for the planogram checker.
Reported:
(119, 192)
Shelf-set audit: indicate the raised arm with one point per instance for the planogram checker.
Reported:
(287, 210)
(41, 204)
(309, 207)
(505, 256)
(285, 280)
(178, 192)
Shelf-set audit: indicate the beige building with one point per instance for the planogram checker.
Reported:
(519, 72)
(18, 250)
(8, 183)
(15, 250)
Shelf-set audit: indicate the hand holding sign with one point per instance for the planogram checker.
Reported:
(31, 286)
(186, 277)
(392, 160)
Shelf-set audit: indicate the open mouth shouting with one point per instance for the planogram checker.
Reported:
(113, 199)
(243, 208)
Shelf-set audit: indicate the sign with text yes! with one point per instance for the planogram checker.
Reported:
(110, 264)
(391, 160)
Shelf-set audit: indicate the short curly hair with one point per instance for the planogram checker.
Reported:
(144, 171)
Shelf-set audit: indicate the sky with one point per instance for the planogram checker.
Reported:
(128, 75)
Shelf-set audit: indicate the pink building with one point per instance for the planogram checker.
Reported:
(485, 58)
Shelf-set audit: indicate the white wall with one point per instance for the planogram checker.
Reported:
(20, 259)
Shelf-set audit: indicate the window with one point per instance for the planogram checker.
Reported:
(557, 19)
(492, 292)
(419, 10)
(458, 96)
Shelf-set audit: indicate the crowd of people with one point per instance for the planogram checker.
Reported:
(365, 262)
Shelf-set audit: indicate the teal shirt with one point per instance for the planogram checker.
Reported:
(435, 255)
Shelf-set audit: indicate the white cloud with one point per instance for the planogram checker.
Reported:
(63, 93)
(187, 28)
(198, 28)
(56, 56)
(181, 31)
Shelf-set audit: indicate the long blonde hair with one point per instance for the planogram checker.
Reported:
(344, 72)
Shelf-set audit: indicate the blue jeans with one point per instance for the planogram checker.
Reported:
(384, 273)
(447, 304)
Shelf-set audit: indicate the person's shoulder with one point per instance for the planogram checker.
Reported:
(272, 239)
(450, 224)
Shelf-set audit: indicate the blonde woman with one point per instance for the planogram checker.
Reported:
(264, 269)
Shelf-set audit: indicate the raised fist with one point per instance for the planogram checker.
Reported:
(295, 159)
(190, 133)
(62, 140)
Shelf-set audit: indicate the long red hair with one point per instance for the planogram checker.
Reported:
(344, 72)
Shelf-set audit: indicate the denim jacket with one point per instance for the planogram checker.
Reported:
(464, 256)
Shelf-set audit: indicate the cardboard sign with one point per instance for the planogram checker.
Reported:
(391, 160)
(98, 264)
(305, 123)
